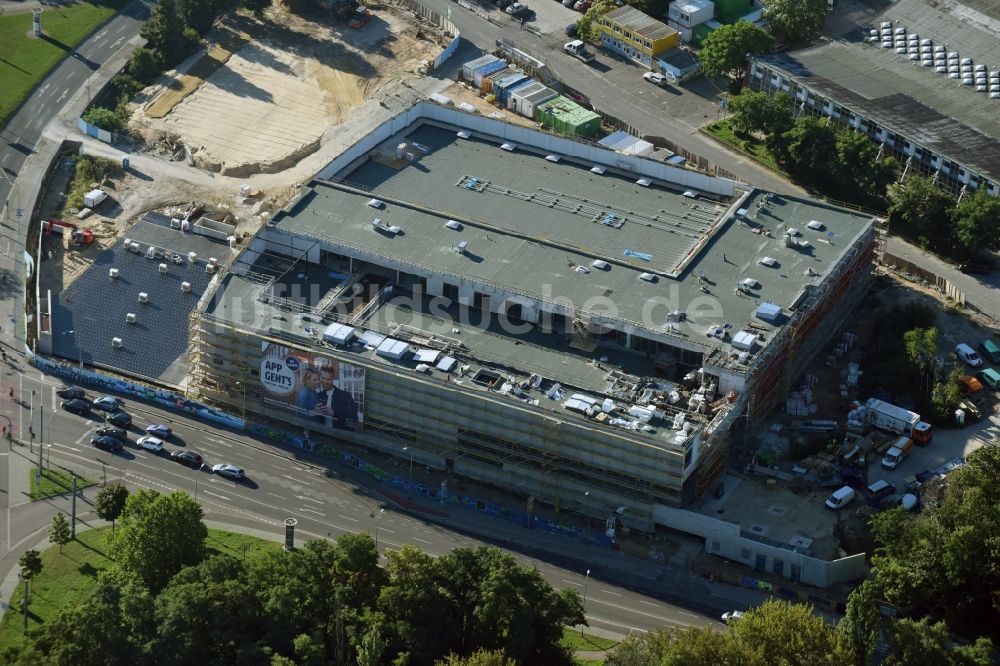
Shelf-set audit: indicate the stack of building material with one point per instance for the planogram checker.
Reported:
(799, 404)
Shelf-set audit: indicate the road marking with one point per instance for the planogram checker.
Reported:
(649, 603)
(222, 497)
(383, 529)
(617, 594)
(688, 614)
(571, 582)
(44, 88)
(659, 618)
(352, 519)
(318, 513)
(422, 540)
(82, 437)
(278, 496)
(310, 499)
(63, 95)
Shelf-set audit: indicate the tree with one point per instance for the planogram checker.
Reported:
(753, 111)
(372, 647)
(30, 564)
(977, 221)
(89, 634)
(920, 207)
(478, 658)
(106, 119)
(921, 350)
(796, 19)
(947, 394)
(860, 627)
(110, 503)
(937, 563)
(159, 535)
(145, 64)
(807, 149)
(726, 51)
(863, 175)
(164, 32)
(59, 532)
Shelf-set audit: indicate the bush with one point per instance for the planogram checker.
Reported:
(145, 64)
(104, 118)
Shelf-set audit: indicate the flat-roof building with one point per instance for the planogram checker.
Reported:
(531, 311)
(923, 81)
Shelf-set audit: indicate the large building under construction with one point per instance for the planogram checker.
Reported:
(568, 323)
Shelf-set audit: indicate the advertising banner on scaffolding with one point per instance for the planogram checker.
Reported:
(327, 392)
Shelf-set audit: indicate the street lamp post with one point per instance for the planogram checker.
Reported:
(31, 421)
(243, 412)
(378, 520)
(409, 484)
(197, 470)
(587, 496)
(48, 456)
(585, 581)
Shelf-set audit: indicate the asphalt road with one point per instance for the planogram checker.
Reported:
(614, 86)
(18, 138)
(327, 500)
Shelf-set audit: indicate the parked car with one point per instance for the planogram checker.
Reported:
(840, 498)
(582, 5)
(109, 444)
(968, 355)
(655, 77)
(120, 419)
(229, 471)
(71, 393)
(880, 489)
(159, 430)
(569, 3)
(520, 13)
(107, 403)
(77, 406)
(970, 384)
(975, 268)
(731, 616)
(989, 377)
(503, 4)
(189, 458)
(570, 30)
(112, 431)
(151, 444)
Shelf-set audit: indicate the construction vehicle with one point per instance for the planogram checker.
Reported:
(340, 9)
(899, 421)
(360, 18)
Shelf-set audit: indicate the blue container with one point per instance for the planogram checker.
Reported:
(503, 87)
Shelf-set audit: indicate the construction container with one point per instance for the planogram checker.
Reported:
(523, 99)
(567, 117)
(472, 70)
(498, 75)
(690, 13)
(731, 11)
(503, 87)
(699, 34)
(685, 33)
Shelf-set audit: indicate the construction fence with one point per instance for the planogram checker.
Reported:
(911, 271)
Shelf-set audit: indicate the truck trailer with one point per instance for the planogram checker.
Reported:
(898, 421)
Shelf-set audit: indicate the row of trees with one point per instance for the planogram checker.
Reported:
(918, 208)
(167, 600)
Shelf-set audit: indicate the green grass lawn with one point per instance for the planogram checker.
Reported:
(69, 577)
(574, 640)
(54, 482)
(722, 131)
(25, 60)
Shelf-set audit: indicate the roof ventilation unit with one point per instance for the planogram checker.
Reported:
(376, 203)
(464, 135)
(553, 158)
(600, 264)
(750, 283)
(113, 273)
(645, 182)
(648, 277)
(509, 147)
(454, 225)
(395, 230)
(462, 247)
(192, 256)
(582, 269)
(768, 261)
(130, 318)
(377, 223)
(116, 343)
(163, 268)
(186, 287)
(599, 170)
(143, 297)
(135, 247)
(815, 225)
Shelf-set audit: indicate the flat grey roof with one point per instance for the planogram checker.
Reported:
(538, 258)
(924, 106)
(91, 311)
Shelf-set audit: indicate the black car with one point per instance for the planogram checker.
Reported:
(112, 431)
(189, 458)
(120, 419)
(109, 444)
(71, 393)
(76, 406)
(521, 12)
(570, 30)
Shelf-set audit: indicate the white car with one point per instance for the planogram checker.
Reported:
(655, 77)
(229, 471)
(967, 354)
(731, 616)
(151, 444)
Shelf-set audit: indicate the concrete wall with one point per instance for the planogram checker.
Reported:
(724, 539)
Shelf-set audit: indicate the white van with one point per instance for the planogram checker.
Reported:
(968, 355)
(840, 498)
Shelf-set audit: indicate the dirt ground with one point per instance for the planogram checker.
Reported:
(269, 104)
(461, 93)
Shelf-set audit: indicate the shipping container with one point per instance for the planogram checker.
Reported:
(523, 100)
(567, 117)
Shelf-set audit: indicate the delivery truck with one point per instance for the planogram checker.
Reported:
(898, 421)
(899, 450)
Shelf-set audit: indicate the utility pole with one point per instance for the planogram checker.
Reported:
(72, 528)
